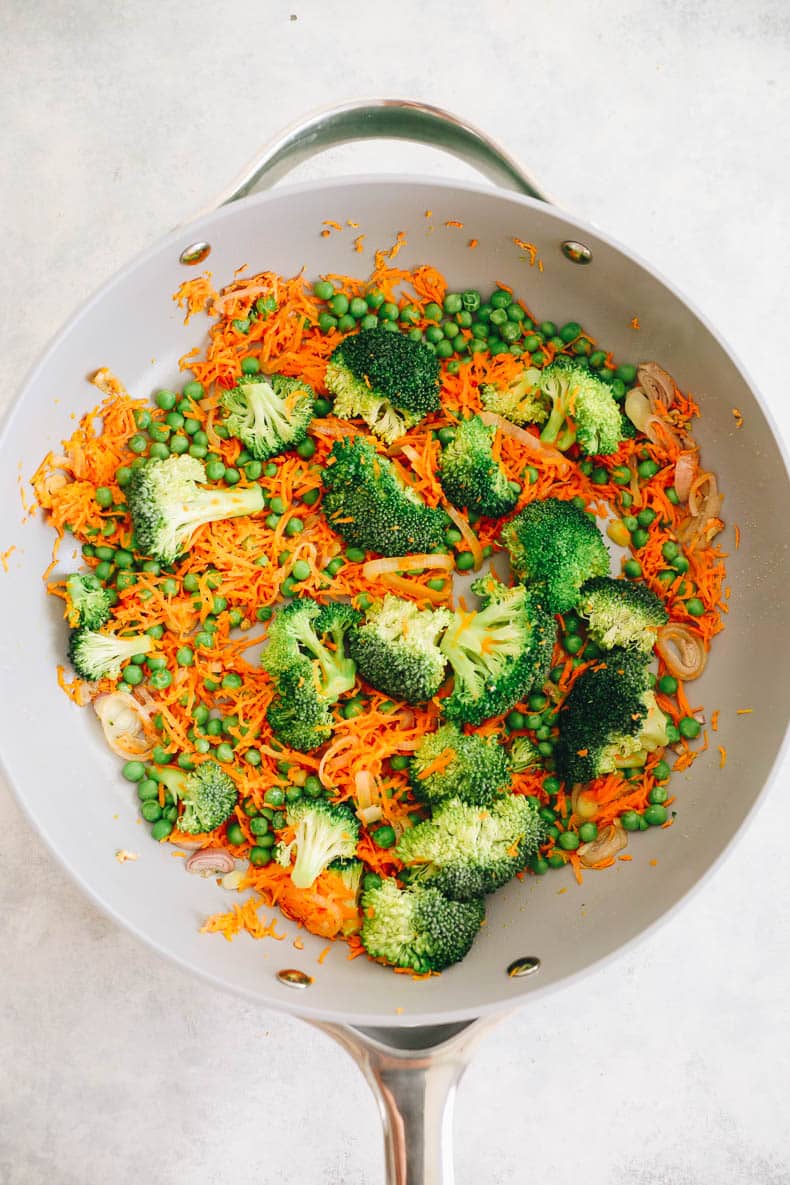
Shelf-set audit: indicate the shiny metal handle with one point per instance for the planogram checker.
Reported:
(370, 119)
(414, 1075)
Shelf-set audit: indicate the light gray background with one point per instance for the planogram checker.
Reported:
(666, 122)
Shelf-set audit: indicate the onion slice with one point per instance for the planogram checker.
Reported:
(583, 803)
(369, 814)
(603, 849)
(210, 862)
(470, 539)
(685, 471)
(364, 788)
(656, 383)
(126, 724)
(533, 445)
(406, 563)
(682, 650)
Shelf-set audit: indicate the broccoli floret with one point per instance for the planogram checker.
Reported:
(621, 613)
(167, 505)
(520, 401)
(583, 409)
(87, 601)
(524, 755)
(610, 719)
(556, 544)
(449, 764)
(207, 792)
(499, 653)
(367, 503)
(385, 379)
(269, 413)
(307, 638)
(100, 656)
(298, 716)
(396, 649)
(470, 475)
(323, 832)
(416, 927)
(466, 851)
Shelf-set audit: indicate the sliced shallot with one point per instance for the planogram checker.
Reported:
(656, 383)
(210, 862)
(583, 803)
(682, 650)
(406, 563)
(685, 471)
(609, 842)
(126, 724)
(532, 445)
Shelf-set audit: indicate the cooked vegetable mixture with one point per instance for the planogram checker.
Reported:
(274, 629)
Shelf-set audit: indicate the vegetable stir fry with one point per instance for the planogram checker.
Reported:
(396, 599)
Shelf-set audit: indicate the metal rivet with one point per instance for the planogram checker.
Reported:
(526, 966)
(576, 252)
(293, 978)
(195, 253)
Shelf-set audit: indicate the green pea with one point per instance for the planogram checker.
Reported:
(667, 684)
(154, 662)
(588, 832)
(166, 399)
(260, 856)
(639, 537)
(275, 796)
(398, 761)
(632, 569)
(147, 790)
(151, 810)
(689, 727)
(301, 570)
(437, 584)
(626, 373)
(232, 681)
(353, 708)
(193, 390)
(662, 772)
(133, 771)
(294, 526)
(138, 444)
(695, 607)
(161, 829)
(215, 470)
(231, 476)
(658, 795)
(250, 365)
(259, 825)
(123, 475)
(234, 834)
(655, 815)
(323, 289)
(388, 311)
(312, 786)
(551, 785)
(326, 322)
(573, 643)
(263, 613)
(224, 752)
(680, 564)
(647, 468)
(161, 679)
(546, 748)
(568, 841)
(132, 675)
(355, 555)
(570, 331)
(516, 721)
(384, 837)
(630, 821)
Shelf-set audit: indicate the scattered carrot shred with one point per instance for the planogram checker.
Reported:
(722, 757)
(6, 555)
(453, 222)
(635, 323)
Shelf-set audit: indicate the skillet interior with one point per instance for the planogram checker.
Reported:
(71, 786)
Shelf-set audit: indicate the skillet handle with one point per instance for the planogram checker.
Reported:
(414, 1082)
(389, 119)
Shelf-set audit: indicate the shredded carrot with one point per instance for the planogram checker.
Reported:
(737, 532)
(744, 711)
(323, 954)
(714, 721)
(722, 757)
(473, 243)
(635, 323)
(454, 223)
(5, 556)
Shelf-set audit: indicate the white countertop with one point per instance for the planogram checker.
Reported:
(667, 123)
